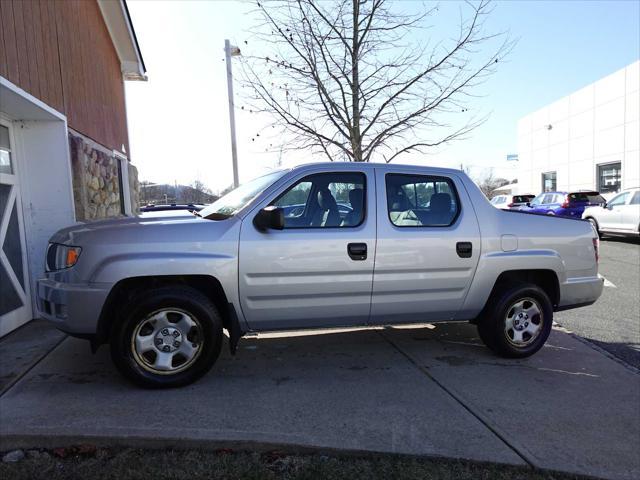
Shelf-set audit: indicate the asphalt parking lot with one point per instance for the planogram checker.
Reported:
(613, 322)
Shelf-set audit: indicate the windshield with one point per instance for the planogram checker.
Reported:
(589, 197)
(233, 201)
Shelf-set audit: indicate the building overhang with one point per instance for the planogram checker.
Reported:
(21, 106)
(116, 17)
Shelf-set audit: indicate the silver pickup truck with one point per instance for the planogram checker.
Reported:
(316, 246)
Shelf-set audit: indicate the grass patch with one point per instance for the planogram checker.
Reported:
(132, 464)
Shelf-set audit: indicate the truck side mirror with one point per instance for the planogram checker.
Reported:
(270, 217)
(528, 204)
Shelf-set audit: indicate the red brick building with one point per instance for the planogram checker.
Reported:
(63, 130)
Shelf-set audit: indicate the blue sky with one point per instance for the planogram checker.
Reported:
(178, 120)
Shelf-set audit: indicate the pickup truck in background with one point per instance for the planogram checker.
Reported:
(415, 244)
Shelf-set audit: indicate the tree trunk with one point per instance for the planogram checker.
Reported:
(356, 139)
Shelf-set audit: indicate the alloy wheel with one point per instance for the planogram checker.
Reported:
(167, 341)
(523, 322)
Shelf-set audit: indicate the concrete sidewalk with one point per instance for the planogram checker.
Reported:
(427, 391)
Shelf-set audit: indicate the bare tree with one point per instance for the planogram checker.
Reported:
(196, 192)
(488, 182)
(357, 80)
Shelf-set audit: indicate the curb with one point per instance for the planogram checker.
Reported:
(597, 348)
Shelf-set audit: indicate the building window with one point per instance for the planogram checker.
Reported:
(123, 181)
(549, 182)
(5, 152)
(609, 177)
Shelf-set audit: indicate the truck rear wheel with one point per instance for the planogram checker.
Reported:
(168, 337)
(517, 322)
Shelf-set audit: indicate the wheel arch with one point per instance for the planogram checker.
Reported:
(125, 289)
(546, 279)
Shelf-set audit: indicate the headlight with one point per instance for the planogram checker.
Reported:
(61, 256)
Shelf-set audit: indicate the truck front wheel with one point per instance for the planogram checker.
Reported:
(517, 321)
(167, 337)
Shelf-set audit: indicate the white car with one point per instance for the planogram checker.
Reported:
(619, 216)
(511, 201)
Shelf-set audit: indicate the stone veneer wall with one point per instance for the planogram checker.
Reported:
(96, 180)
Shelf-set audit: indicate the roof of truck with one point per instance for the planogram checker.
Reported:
(371, 165)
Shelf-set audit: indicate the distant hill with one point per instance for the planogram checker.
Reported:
(166, 194)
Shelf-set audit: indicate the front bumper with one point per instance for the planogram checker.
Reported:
(580, 291)
(72, 308)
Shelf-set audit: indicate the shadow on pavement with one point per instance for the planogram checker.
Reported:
(23, 348)
(621, 239)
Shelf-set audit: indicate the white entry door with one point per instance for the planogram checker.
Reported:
(15, 300)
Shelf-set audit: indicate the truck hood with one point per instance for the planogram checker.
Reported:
(140, 230)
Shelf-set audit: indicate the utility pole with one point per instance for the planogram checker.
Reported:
(231, 51)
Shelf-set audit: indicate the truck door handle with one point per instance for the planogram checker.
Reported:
(357, 251)
(464, 249)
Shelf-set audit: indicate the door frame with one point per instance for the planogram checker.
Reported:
(21, 315)
(265, 199)
(409, 298)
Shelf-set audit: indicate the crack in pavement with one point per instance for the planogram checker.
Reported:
(26, 371)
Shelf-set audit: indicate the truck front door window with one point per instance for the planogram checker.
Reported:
(324, 200)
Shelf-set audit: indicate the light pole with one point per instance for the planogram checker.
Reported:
(231, 51)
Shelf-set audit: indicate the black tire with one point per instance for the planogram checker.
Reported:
(492, 325)
(594, 222)
(207, 330)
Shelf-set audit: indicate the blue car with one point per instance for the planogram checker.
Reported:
(563, 204)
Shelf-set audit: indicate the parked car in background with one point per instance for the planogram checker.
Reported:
(511, 201)
(293, 211)
(418, 245)
(172, 206)
(170, 210)
(563, 204)
(619, 216)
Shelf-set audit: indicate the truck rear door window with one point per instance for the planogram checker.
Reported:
(421, 201)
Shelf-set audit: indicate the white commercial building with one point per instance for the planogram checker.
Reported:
(585, 141)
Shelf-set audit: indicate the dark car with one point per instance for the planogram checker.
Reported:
(170, 210)
(292, 211)
(510, 201)
(564, 204)
(172, 206)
